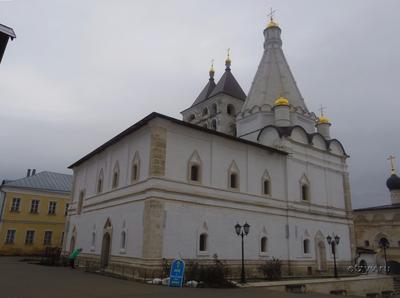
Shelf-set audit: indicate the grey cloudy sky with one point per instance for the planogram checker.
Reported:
(80, 72)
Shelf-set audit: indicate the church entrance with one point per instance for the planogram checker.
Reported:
(105, 250)
(321, 255)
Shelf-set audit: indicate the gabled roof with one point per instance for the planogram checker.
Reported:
(5, 34)
(205, 93)
(382, 207)
(45, 181)
(154, 115)
(227, 84)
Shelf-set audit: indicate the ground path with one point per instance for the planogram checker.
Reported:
(23, 280)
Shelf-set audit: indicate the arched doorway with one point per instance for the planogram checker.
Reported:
(105, 250)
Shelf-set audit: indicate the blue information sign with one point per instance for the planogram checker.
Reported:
(177, 273)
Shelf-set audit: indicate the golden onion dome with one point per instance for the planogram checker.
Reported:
(272, 24)
(281, 101)
(323, 119)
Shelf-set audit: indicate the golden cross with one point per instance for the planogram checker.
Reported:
(392, 159)
(321, 110)
(229, 53)
(271, 14)
(212, 63)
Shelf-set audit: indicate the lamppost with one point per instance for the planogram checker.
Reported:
(384, 243)
(333, 243)
(242, 231)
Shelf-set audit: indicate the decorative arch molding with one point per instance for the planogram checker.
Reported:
(320, 250)
(269, 136)
(298, 134)
(360, 219)
(266, 108)
(318, 141)
(381, 235)
(195, 168)
(336, 147)
(378, 218)
(135, 167)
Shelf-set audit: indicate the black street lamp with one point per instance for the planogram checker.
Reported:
(333, 243)
(384, 243)
(242, 231)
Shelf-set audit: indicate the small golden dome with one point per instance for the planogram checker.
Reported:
(323, 119)
(272, 24)
(281, 101)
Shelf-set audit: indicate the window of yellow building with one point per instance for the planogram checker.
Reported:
(10, 237)
(16, 203)
(47, 237)
(52, 208)
(29, 237)
(34, 206)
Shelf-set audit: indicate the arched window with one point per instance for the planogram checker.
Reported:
(214, 124)
(123, 240)
(99, 187)
(306, 246)
(304, 189)
(191, 117)
(263, 244)
(205, 111)
(80, 202)
(233, 176)
(230, 109)
(194, 173)
(266, 186)
(135, 171)
(233, 180)
(305, 192)
(203, 242)
(213, 109)
(194, 168)
(115, 176)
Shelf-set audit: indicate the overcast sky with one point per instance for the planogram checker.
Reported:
(80, 72)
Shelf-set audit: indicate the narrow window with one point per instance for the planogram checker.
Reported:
(230, 109)
(123, 240)
(306, 246)
(80, 202)
(135, 172)
(52, 208)
(47, 237)
(266, 187)
(203, 242)
(194, 173)
(100, 185)
(205, 112)
(93, 239)
(263, 244)
(34, 206)
(16, 202)
(214, 124)
(191, 117)
(10, 237)
(115, 180)
(66, 209)
(233, 180)
(29, 237)
(366, 243)
(305, 192)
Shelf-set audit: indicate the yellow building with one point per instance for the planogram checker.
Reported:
(33, 212)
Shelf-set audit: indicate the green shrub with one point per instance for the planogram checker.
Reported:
(271, 269)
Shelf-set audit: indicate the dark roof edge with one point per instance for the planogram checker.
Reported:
(154, 115)
(35, 188)
(207, 100)
(397, 206)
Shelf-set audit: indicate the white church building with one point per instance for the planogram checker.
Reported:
(166, 188)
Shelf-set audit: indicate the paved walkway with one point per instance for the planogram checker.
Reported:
(22, 280)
